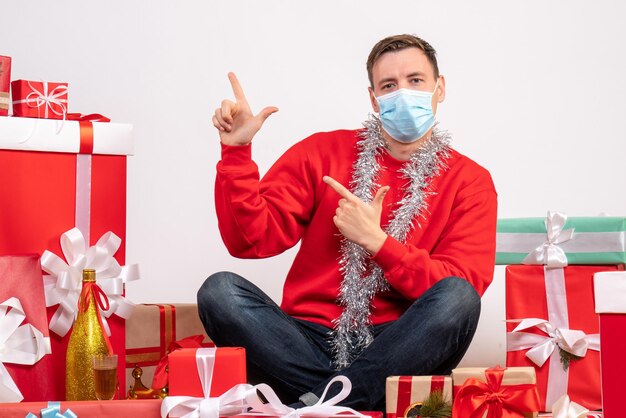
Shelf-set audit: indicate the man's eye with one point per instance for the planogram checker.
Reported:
(388, 86)
(416, 80)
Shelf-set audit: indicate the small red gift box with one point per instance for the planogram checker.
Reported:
(228, 369)
(404, 391)
(558, 306)
(5, 83)
(39, 99)
(610, 294)
(481, 392)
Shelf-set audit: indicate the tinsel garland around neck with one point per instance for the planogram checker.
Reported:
(363, 278)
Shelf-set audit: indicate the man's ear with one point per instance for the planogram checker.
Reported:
(441, 89)
(373, 100)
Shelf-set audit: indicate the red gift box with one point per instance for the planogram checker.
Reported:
(39, 99)
(20, 277)
(495, 392)
(563, 297)
(5, 83)
(38, 191)
(404, 391)
(610, 295)
(229, 369)
(148, 408)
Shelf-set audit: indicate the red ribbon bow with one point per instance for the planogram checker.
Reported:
(92, 291)
(512, 401)
(160, 373)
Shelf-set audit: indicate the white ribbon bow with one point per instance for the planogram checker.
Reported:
(549, 253)
(564, 408)
(238, 399)
(541, 347)
(320, 409)
(19, 344)
(64, 283)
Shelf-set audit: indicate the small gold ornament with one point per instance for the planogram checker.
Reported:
(87, 340)
(139, 391)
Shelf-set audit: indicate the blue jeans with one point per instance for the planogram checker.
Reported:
(294, 356)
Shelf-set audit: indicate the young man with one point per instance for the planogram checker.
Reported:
(397, 235)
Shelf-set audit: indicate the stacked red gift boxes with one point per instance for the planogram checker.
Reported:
(63, 192)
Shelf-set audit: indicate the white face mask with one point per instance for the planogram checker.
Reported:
(406, 115)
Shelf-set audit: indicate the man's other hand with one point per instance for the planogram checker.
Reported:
(234, 121)
(358, 221)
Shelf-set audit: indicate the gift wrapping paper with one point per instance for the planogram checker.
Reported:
(20, 277)
(584, 240)
(513, 376)
(5, 84)
(229, 369)
(151, 331)
(148, 408)
(39, 99)
(403, 391)
(38, 191)
(563, 297)
(610, 297)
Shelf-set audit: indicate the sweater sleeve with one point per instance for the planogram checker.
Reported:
(261, 218)
(466, 249)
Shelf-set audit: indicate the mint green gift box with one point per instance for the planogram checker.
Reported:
(594, 240)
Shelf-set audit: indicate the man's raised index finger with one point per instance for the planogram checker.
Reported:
(234, 82)
(339, 188)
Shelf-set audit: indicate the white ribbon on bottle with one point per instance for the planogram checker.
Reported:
(241, 397)
(19, 344)
(541, 347)
(549, 253)
(47, 99)
(64, 283)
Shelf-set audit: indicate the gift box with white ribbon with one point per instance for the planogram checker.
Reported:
(553, 327)
(558, 240)
(63, 190)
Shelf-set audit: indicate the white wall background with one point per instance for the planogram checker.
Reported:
(536, 93)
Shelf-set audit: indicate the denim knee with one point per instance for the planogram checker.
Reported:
(216, 289)
(460, 296)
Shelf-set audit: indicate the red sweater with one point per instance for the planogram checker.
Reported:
(263, 218)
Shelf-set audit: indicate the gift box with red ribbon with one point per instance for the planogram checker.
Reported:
(156, 329)
(225, 368)
(610, 298)
(39, 99)
(553, 328)
(404, 391)
(5, 84)
(495, 392)
(51, 181)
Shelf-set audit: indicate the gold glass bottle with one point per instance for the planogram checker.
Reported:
(88, 339)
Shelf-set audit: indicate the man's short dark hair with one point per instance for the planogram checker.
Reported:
(398, 43)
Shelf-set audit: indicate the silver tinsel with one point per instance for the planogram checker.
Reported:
(363, 278)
